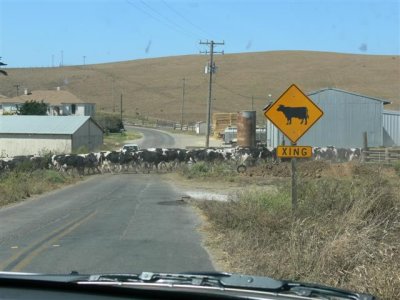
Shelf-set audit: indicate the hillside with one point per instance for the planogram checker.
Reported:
(153, 87)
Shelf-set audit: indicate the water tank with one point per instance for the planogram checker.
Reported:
(246, 129)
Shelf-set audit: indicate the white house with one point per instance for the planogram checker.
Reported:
(60, 103)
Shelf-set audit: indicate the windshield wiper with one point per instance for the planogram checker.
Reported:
(234, 281)
(224, 281)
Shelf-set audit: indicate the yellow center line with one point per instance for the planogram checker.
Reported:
(23, 258)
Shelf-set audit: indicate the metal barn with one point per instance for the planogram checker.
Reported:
(346, 116)
(391, 128)
(32, 135)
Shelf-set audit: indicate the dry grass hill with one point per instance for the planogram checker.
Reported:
(153, 87)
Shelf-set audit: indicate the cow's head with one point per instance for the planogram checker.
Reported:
(281, 107)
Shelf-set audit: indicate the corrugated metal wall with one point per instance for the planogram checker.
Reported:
(391, 128)
(346, 117)
(89, 135)
(33, 144)
(274, 136)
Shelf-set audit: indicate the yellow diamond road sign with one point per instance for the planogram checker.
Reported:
(293, 113)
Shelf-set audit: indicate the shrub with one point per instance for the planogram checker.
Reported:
(110, 122)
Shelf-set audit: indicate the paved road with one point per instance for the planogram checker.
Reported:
(108, 223)
(159, 138)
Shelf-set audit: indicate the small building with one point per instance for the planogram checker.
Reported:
(60, 103)
(347, 116)
(32, 135)
(201, 127)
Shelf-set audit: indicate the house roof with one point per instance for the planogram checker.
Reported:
(42, 124)
(346, 92)
(49, 97)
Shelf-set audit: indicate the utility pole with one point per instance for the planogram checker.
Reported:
(210, 70)
(121, 108)
(183, 101)
(17, 87)
(112, 94)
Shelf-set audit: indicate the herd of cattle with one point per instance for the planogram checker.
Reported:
(157, 159)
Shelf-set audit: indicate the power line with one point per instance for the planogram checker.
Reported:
(160, 18)
(185, 19)
(169, 20)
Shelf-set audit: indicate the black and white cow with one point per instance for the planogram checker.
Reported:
(333, 154)
(152, 158)
(69, 162)
(119, 160)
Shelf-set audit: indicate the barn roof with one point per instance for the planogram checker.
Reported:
(347, 92)
(42, 124)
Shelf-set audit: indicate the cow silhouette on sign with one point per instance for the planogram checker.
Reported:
(294, 112)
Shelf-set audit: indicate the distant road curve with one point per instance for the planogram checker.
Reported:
(162, 139)
(153, 138)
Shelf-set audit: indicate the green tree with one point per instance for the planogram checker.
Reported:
(32, 108)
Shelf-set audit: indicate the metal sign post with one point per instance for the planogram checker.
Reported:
(294, 182)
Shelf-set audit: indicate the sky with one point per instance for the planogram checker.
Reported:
(40, 33)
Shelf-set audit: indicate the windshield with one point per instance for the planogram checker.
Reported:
(251, 137)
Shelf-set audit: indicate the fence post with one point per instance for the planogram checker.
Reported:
(387, 156)
(365, 147)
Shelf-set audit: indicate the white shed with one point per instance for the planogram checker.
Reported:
(201, 127)
(30, 135)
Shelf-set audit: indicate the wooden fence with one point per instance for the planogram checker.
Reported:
(381, 155)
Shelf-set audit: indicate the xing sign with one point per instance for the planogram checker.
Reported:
(293, 113)
(294, 151)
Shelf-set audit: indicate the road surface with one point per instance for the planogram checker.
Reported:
(162, 139)
(108, 223)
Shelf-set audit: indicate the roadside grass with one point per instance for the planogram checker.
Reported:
(18, 185)
(204, 170)
(114, 141)
(344, 233)
(397, 167)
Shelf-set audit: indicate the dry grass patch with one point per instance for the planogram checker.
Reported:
(16, 186)
(345, 233)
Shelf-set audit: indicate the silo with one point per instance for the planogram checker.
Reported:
(246, 129)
